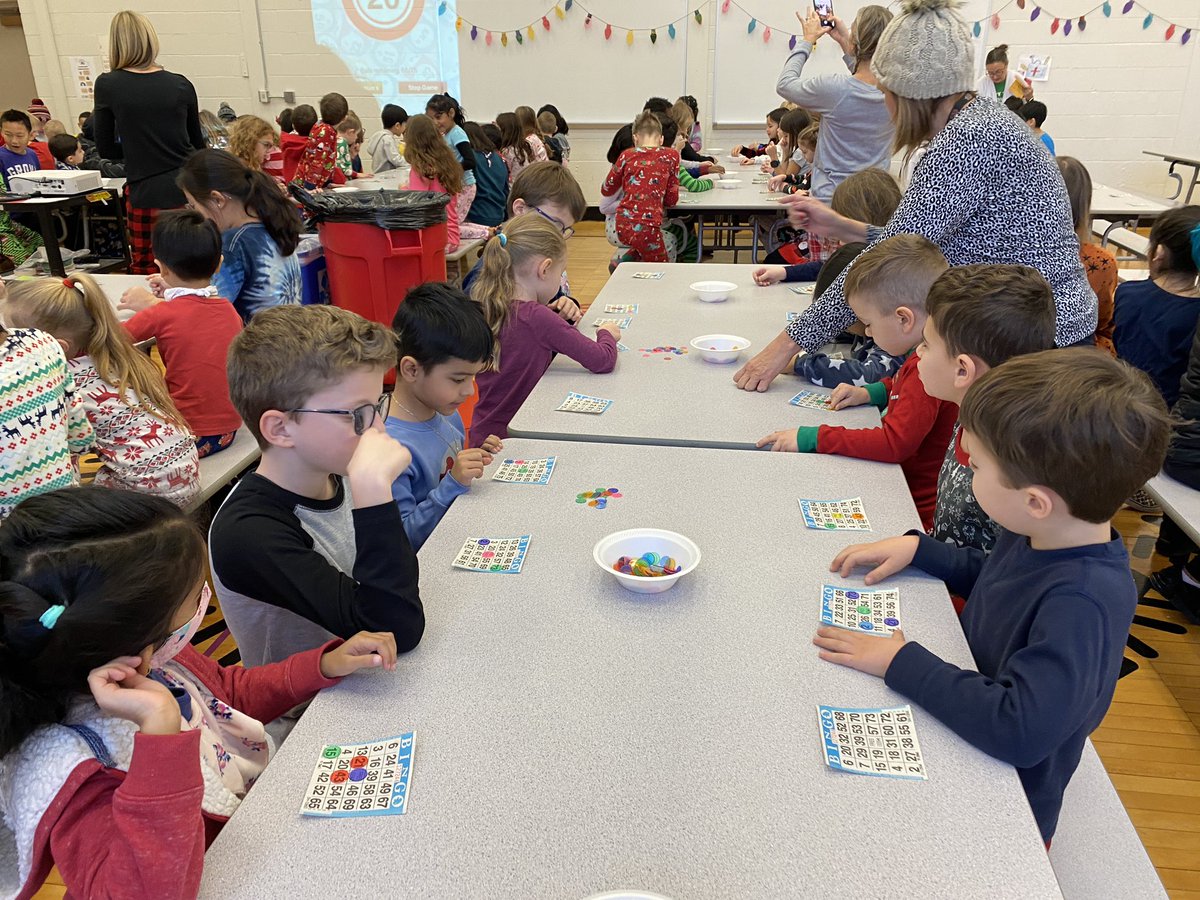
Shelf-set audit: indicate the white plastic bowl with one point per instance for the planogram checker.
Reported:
(635, 542)
(713, 291)
(729, 184)
(720, 348)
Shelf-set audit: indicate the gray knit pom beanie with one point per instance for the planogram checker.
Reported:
(926, 51)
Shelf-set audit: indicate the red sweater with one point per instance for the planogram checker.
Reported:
(142, 833)
(45, 157)
(915, 433)
(194, 334)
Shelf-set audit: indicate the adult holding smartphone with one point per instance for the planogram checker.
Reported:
(856, 129)
(997, 83)
(985, 191)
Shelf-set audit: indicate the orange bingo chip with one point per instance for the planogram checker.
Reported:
(340, 776)
(358, 762)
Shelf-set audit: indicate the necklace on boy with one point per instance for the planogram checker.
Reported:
(425, 422)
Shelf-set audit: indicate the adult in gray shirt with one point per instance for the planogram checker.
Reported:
(856, 130)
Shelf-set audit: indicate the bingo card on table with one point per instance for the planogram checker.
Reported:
(582, 403)
(623, 323)
(625, 309)
(502, 555)
(835, 515)
(879, 742)
(526, 471)
(368, 779)
(811, 400)
(871, 612)
(648, 276)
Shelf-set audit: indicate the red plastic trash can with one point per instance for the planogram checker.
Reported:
(370, 268)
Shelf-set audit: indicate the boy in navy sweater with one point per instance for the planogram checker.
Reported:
(444, 342)
(1057, 441)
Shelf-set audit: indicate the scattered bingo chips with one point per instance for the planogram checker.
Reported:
(648, 565)
(667, 352)
(598, 498)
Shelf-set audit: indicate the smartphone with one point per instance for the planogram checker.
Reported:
(824, 9)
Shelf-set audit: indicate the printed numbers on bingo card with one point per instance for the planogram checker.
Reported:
(582, 403)
(369, 779)
(526, 471)
(864, 742)
(871, 612)
(835, 515)
(496, 555)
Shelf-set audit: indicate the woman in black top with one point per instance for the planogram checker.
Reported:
(148, 117)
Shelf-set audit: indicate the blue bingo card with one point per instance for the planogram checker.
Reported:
(501, 555)
(526, 471)
(368, 779)
(811, 400)
(791, 316)
(835, 515)
(582, 403)
(871, 612)
(881, 742)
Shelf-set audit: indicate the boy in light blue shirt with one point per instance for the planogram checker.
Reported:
(444, 342)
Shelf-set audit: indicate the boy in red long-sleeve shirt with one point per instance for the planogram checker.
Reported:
(886, 288)
(647, 175)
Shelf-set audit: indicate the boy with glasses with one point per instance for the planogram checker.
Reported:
(311, 545)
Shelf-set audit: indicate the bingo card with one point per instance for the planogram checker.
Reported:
(526, 471)
(621, 348)
(651, 276)
(502, 555)
(811, 400)
(792, 316)
(623, 324)
(368, 779)
(872, 742)
(582, 403)
(835, 515)
(624, 309)
(802, 289)
(871, 612)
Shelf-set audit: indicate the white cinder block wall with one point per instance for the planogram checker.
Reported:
(1115, 89)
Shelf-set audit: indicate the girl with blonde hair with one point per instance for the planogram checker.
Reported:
(522, 272)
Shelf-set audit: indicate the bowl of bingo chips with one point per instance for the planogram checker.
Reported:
(713, 291)
(729, 184)
(646, 560)
(720, 348)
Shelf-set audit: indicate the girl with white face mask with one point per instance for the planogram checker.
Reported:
(122, 749)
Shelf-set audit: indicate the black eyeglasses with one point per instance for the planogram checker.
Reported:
(364, 416)
(567, 230)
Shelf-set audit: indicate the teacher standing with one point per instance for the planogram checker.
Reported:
(985, 191)
(856, 129)
(148, 117)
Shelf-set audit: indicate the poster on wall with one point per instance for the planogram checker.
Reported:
(1034, 68)
(83, 77)
(401, 51)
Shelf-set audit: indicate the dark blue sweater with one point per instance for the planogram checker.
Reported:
(1047, 629)
(1153, 330)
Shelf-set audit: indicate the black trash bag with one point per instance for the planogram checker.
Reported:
(392, 210)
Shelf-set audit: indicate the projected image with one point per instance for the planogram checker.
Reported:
(401, 51)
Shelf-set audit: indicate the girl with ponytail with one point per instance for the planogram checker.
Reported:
(522, 272)
(143, 442)
(259, 227)
(122, 749)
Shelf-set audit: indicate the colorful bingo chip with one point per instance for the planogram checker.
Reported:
(368, 779)
(880, 742)
(871, 612)
(503, 556)
(598, 498)
(526, 471)
(835, 515)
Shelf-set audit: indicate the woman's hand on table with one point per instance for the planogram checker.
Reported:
(846, 395)
(887, 557)
(866, 652)
(759, 372)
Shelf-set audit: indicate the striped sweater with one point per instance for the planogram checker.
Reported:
(42, 422)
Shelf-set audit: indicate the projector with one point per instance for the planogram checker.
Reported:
(58, 183)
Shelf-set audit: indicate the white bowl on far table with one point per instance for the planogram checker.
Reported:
(720, 348)
(729, 184)
(633, 542)
(713, 291)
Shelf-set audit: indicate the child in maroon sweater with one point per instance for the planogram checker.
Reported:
(124, 750)
(886, 287)
(522, 272)
(194, 327)
(647, 175)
